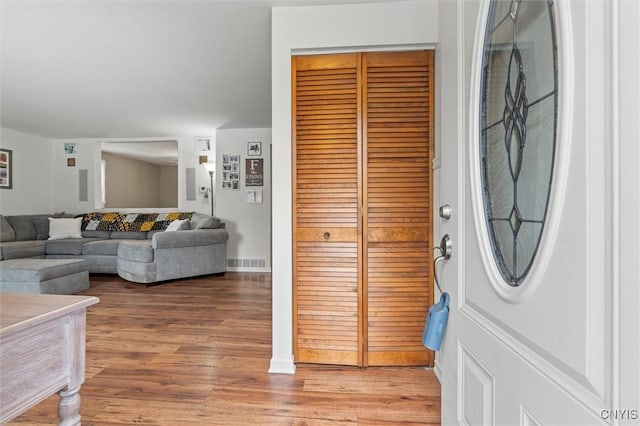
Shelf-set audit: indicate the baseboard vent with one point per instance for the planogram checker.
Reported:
(246, 264)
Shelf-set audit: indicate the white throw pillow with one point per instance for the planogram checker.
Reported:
(64, 228)
(178, 225)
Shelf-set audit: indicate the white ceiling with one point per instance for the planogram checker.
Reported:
(136, 68)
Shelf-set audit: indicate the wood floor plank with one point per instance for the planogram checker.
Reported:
(197, 351)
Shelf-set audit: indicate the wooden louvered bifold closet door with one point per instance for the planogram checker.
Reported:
(362, 207)
(397, 205)
(326, 199)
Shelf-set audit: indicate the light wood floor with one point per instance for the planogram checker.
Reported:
(196, 352)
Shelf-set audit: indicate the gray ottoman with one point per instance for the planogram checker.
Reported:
(47, 276)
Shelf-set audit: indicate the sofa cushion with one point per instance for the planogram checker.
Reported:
(96, 234)
(204, 221)
(101, 248)
(42, 228)
(150, 233)
(128, 235)
(71, 246)
(208, 222)
(63, 228)
(192, 238)
(24, 227)
(178, 225)
(136, 251)
(6, 230)
(20, 249)
(195, 218)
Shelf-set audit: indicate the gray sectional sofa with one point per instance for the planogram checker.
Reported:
(32, 261)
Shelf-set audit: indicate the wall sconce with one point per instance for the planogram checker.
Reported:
(211, 169)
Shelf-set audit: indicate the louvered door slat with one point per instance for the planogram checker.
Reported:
(398, 205)
(326, 204)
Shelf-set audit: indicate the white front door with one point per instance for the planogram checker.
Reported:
(559, 345)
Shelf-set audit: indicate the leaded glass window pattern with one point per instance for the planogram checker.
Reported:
(519, 101)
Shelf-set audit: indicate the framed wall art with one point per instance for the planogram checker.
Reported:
(70, 148)
(203, 143)
(6, 168)
(254, 148)
(254, 172)
(230, 171)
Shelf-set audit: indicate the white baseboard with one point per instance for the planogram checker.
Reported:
(282, 366)
(437, 371)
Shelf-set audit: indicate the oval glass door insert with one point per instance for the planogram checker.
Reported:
(518, 119)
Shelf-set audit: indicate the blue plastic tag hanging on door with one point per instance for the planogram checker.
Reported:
(436, 323)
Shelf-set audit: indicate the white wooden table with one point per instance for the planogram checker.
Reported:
(42, 351)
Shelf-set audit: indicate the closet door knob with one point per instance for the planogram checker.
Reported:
(326, 235)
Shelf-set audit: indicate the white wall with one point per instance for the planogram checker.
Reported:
(249, 225)
(32, 166)
(189, 158)
(65, 179)
(296, 29)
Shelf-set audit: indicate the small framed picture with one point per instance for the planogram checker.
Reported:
(203, 143)
(6, 168)
(70, 148)
(71, 162)
(203, 159)
(254, 148)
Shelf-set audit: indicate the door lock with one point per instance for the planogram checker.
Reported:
(445, 211)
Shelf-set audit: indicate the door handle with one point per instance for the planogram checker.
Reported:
(445, 248)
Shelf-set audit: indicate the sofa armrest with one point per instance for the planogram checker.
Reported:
(196, 237)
